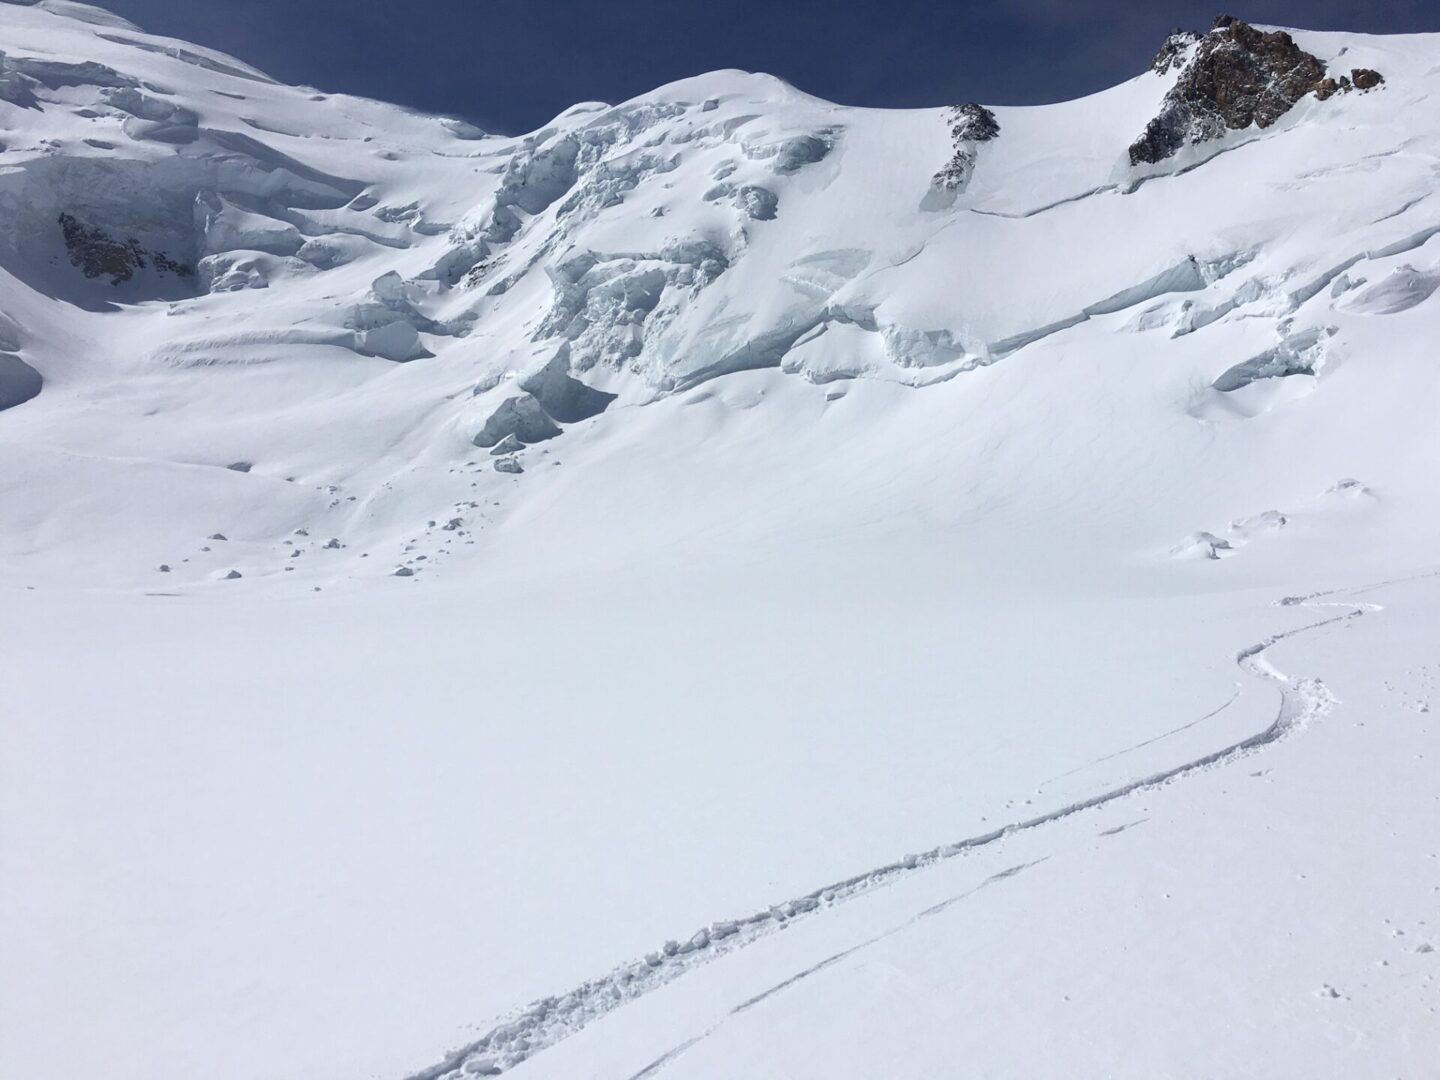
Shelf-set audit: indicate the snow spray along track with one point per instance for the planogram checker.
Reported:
(546, 1022)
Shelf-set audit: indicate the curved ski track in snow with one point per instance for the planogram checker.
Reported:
(550, 1020)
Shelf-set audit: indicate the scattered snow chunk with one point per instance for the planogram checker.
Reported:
(228, 227)
(462, 129)
(1202, 545)
(1403, 288)
(521, 416)
(1350, 488)
(561, 395)
(795, 153)
(759, 203)
(1298, 354)
(1269, 521)
(399, 342)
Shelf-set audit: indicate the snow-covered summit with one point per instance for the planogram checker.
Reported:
(1233, 78)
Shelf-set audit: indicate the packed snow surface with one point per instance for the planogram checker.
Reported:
(723, 585)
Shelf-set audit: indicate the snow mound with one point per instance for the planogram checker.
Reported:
(1403, 288)
(1202, 545)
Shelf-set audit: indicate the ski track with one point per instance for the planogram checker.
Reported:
(1148, 742)
(550, 1020)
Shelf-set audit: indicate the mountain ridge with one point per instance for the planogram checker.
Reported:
(616, 247)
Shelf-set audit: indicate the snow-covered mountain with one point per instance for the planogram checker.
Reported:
(438, 568)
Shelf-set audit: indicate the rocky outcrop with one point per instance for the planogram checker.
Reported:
(1235, 76)
(1172, 51)
(1359, 79)
(970, 125)
(98, 254)
(972, 122)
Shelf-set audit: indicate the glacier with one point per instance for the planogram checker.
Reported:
(724, 584)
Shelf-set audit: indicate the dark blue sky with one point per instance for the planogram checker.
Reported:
(511, 65)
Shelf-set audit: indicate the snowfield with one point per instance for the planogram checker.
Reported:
(724, 585)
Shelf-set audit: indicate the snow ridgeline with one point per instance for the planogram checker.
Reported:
(550, 1020)
(179, 173)
(171, 214)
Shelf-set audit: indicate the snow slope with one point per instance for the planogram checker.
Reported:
(440, 569)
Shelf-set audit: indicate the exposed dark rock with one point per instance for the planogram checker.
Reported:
(1236, 77)
(1172, 51)
(1366, 78)
(98, 254)
(970, 123)
(1361, 79)
(167, 265)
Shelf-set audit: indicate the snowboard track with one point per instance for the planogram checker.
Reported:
(548, 1021)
